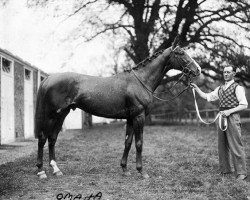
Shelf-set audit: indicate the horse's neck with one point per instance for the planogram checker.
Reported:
(153, 73)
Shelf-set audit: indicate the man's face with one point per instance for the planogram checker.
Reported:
(228, 73)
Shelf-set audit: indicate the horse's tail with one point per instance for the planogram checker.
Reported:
(39, 112)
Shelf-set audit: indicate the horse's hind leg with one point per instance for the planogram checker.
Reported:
(57, 126)
(128, 142)
(41, 142)
(52, 159)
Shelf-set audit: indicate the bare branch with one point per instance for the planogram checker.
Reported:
(79, 9)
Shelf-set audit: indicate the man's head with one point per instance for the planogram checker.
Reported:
(229, 73)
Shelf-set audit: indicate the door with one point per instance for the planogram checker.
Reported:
(28, 104)
(7, 101)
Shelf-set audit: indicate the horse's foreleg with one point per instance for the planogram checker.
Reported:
(138, 124)
(128, 142)
(41, 142)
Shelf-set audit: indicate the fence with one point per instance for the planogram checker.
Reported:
(190, 117)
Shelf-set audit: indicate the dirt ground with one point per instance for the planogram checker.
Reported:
(181, 161)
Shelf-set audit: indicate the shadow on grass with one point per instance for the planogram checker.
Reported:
(13, 174)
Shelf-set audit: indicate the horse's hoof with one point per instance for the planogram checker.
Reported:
(58, 173)
(144, 175)
(126, 173)
(42, 175)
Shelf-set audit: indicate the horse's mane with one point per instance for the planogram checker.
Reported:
(178, 52)
(144, 62)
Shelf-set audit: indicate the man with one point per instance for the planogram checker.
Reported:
(232, 99)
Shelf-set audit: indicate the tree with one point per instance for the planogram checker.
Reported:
(215, 30)
(217, 33)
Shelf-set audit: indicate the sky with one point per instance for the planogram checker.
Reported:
(39, 38)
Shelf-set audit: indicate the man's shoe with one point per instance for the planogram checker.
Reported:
(241, 177)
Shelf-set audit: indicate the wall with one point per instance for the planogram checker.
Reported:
(19, 99)
(0, 94)
(35, 88)
(19, 65)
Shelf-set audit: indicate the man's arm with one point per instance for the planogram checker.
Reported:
(211, 96)
(233, 110)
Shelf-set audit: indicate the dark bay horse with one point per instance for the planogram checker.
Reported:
(123, 96)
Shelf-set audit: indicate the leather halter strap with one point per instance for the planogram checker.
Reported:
(153, 94)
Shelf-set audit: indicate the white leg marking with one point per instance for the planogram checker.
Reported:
(54, 166)
(41, 175)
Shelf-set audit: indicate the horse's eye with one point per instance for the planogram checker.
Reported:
(181, 52)
(186, 71)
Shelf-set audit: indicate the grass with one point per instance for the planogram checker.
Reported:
(181, 161)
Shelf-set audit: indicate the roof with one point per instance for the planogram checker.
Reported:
(20, 60)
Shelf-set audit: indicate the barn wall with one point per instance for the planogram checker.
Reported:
(35, 88)
(19, 99)
(19, 81)
(0, 94)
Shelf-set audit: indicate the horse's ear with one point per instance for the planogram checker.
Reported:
(176, 41)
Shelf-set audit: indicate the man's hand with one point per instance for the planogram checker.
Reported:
(225, 113)
(193, 85)
(197, 89)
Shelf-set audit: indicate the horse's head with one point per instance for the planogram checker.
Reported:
(180, 60)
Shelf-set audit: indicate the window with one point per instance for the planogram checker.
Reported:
(27, 74)
(42, 78)
(6, 65)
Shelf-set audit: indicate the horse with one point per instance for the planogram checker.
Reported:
(126, 95)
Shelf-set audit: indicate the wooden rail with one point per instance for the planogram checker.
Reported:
(187, 117)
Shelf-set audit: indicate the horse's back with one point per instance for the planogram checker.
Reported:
(102, 96)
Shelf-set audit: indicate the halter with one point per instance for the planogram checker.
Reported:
(185, 72)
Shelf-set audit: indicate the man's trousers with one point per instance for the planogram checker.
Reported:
(230, 141)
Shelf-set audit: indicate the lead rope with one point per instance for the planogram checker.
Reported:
(222, 120)
(153, 94)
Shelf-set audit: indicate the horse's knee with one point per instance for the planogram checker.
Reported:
(139, 146)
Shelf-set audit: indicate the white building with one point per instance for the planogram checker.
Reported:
(19, 82)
